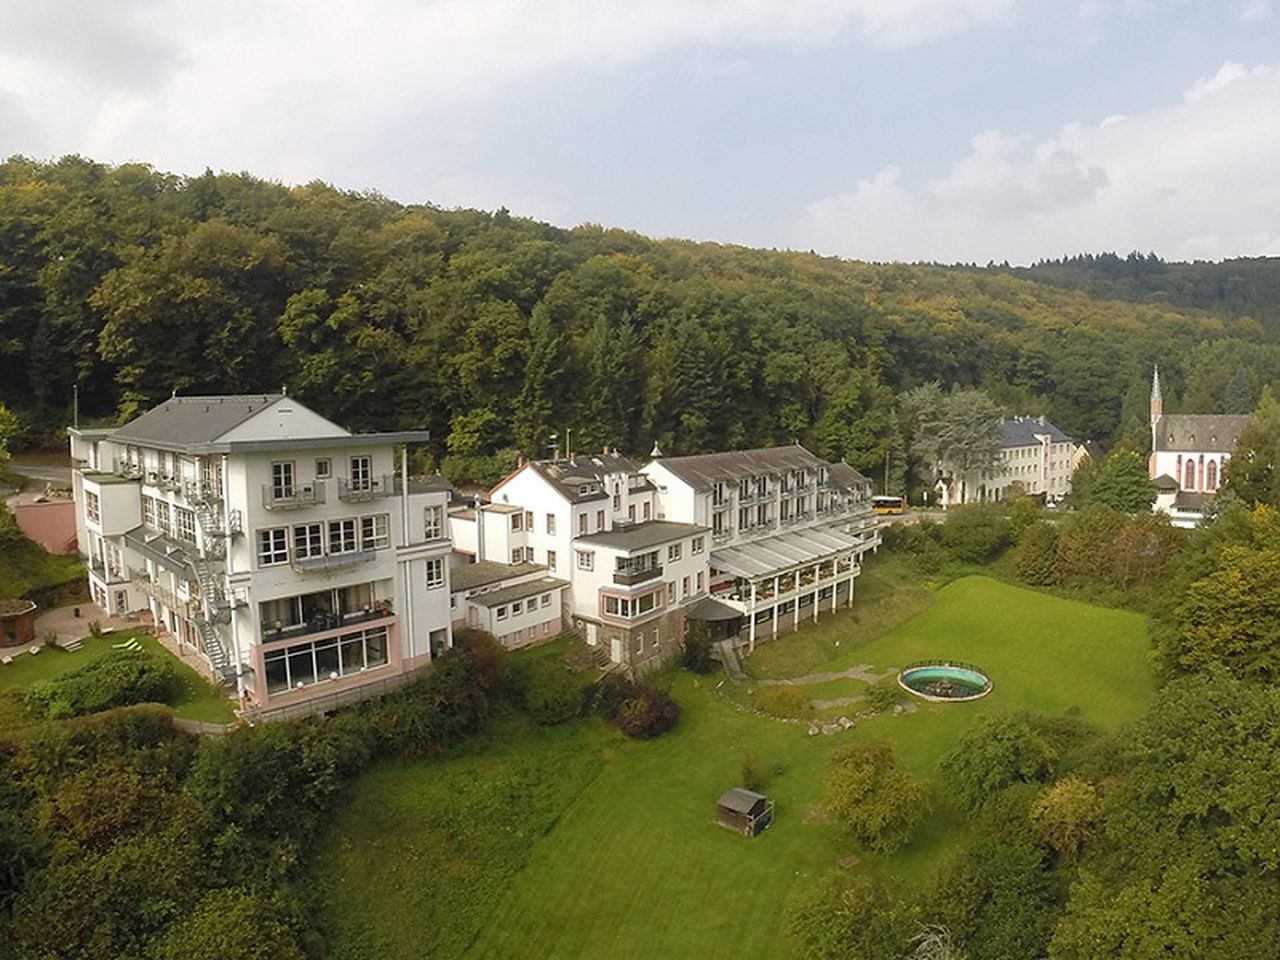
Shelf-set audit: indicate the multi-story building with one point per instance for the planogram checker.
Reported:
(1035, 458)
(285, 551)
(787, 529)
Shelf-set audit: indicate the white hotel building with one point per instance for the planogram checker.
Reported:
(282, 549)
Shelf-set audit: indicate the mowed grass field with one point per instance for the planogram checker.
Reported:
(621, 858)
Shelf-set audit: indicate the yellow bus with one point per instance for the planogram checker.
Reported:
(888, 505)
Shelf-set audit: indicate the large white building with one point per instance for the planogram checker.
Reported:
(1188, 454)
(1035, 458)
(285, 551)
(788, 532)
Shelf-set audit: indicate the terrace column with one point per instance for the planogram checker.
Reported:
(751, 612)
(835, 584)
(817, 577)
(795, 604)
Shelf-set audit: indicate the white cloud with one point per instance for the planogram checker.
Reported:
(1192, 179)
(1254, 11)
(286, 88)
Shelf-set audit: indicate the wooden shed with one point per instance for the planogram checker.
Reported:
(744, 811)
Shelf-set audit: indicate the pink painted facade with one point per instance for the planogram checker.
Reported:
(52, 524)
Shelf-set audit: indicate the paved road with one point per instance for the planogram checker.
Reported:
(58, 476)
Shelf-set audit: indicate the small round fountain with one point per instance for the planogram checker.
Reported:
(944, 681)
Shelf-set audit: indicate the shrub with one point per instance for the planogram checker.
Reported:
(546, 690)
(852, 917)
(1066, 815)
(647, 713)
(876, 803)
(1035, 557)
(1002, 751)
(121, 678)
(753, 778)
(610, 693)
(228, 925)
(883, 695)
(783, 700)
(697, 648)
(976, 532)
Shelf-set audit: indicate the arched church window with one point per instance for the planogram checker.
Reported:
(1211, 476)
(1189, 480)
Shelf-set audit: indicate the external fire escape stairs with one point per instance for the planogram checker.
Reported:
(216, 528)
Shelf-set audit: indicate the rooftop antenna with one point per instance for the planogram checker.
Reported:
(568, 445)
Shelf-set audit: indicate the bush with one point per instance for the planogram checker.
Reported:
(753, 778)
(545, 690)
(976, 532)
(1066, 815)
(783, 700)
(1002, 751)
(697, 648)
(877, 804)
(228, 925)
(884, 695)
(648, 713)
(1036, 554)
(852, 917)
(121, 678)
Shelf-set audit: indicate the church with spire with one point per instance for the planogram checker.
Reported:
(1188, 453)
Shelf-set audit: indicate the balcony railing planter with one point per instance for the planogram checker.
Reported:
(331, 561)
(292, 498)
(628, 578)
(371, 488)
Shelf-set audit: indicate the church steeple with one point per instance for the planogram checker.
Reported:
(1157, 403)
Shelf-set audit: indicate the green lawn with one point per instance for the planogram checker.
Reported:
(632, 865)
(200, 699)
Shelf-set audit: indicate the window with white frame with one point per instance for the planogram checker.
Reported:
(698, 544)
(528, 520)
(149, 512)
(517, 607)
(282, 479)
(375, 531)
(674, 552)
(324, 468)
(551, 523)
(435, 572)
(162, 516)
(517, 522)
(517, 554)
(599, 520)
(432, 523)
(582, 524)
(273, 546)
(647, 513)
(342, 536)
(551, 560)
(586, 560)
(546, 600)
(361, 473)
(501, 613)
(184, 527)
(92, 507)
(308, 540)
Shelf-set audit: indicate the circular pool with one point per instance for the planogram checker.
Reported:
(945, 681)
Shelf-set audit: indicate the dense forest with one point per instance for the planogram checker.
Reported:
(495, 332)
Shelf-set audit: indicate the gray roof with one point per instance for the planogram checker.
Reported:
(843, 475)
(1166, 482)
(740, 799)
(1022, 432)
(704, 469)
(182, 421)
(1199, 432)
(519, 591)
(1190, 500)
(651, 533)
(484, 572)
(175, 555)
(570, 475)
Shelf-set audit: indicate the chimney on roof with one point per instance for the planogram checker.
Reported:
(520, 462)
(1043, 420)
(605, 451)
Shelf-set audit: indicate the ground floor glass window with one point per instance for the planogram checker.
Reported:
(306, 663)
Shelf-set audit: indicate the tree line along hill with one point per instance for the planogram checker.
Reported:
(495, 331)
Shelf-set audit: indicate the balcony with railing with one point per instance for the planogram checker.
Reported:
(329, 562)
(361, 489)
(326, 622)
(275, 497)
(630, 576)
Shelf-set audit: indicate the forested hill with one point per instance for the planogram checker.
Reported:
(495, 331)
(1245, 287)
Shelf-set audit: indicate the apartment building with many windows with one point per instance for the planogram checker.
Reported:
(787, 533)
(1035, 458)
(287, 552)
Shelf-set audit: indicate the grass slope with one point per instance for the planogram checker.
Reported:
(634, 866)
(200, 699)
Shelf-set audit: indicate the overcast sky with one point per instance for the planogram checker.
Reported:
(968, 130)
